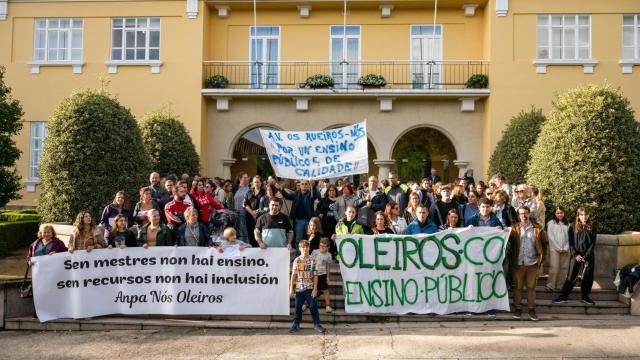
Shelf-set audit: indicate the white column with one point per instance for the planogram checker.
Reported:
(226, 168)
(384, 166)
(462, 166)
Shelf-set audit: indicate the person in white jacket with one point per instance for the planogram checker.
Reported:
(559, 255)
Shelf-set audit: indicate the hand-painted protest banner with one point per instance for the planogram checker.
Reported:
(318, 154)
(161, 280)
(451, 271)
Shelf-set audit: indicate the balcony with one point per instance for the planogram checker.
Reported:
(440, 79)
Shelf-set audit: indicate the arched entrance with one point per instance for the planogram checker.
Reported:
(420, 149)
(251, 155)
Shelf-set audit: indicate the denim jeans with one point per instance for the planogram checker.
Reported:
(313, 306)
(299, 230)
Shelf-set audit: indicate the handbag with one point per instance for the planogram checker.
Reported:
(26, 289)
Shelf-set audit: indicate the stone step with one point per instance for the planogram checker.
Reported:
(337, 300)
(338, 319)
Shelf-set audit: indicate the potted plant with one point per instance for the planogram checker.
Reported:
(478, 81)
(372, 81)
(319, 81)
(216, 82)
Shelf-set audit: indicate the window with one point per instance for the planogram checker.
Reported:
(345, 55)
(426, 52)
(265, 56)
(58, 39)
(38, 133)
(564, 37)
(631, 37)
(135, 39)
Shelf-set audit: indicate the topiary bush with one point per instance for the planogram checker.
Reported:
(168, 144)
(511, 155)
(18, 216)
(587, 155)
(10, 125)
(93, 149)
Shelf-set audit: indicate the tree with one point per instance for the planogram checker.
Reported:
(511, 155)
(169, 144)
(93, 149)
(10, 125)
(587, 155)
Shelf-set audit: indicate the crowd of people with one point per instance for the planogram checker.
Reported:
(305, 217)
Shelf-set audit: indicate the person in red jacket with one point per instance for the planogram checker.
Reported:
(205, 201)
(174, 210)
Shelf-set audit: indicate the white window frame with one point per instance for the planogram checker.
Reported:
(264, 38)
(154, 64)
(35, 153)
(628, 63)
(43, 28)
(440, 55)
(587, 63)
(344, 50)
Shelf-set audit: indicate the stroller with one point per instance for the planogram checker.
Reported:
(220, 220)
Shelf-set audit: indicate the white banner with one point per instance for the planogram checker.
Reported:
(451, 271)
(318, 154)
(161, 280)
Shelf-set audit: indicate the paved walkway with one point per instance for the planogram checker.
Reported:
(458, 340)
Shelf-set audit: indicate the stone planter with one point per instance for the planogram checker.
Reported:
(615, 251)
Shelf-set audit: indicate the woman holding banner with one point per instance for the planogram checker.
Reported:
(453, 219)
(46, 244)
(86, 235)
(382, 224)
(397, 223)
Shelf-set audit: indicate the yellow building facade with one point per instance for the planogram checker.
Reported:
(161, 52)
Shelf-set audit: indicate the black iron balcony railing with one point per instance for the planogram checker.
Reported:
(398, 74)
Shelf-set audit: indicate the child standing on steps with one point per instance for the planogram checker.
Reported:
(323, 259)
(304, 286)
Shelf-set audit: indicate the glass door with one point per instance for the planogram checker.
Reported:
(426, 56)
(345, 55)
(265, 57)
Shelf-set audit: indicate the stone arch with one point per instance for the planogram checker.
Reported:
(249, 153)
(419, 148)
(245, 130)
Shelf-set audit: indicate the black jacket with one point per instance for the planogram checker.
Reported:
(509, 216)
(582, 242)
(203, 237)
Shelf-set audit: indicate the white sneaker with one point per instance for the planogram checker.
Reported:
(329, 309)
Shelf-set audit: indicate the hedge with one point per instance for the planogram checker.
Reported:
(17, 235)
(587, 155)
(93, 149)
(18, 216)
(511, 155)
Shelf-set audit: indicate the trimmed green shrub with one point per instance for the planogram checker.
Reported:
(17, 235)
(372, 80)
(216, 82)
(587, 155)
(169, 144)
(511, 155)
(318, 81)
(10, 125)
(93, 149)
(18, 216)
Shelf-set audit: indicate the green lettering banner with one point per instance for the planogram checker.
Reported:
(456, 270)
